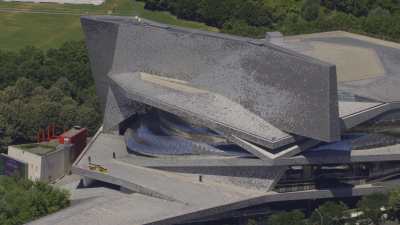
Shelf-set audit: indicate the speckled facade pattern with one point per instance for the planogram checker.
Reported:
(257, 75)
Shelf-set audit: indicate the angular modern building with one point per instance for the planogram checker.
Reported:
(198, 124)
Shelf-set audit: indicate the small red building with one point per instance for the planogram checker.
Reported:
(77, 137)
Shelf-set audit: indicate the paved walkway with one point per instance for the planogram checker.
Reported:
(159, 197)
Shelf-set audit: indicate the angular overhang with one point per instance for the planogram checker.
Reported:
(200, 106)
(294, 93)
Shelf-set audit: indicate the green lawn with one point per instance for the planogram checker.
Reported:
(51, 30)
(43, 31)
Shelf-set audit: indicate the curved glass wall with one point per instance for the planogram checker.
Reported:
(160, 133)
(381, 131)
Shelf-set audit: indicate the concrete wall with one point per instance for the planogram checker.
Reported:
(251, 177)
(34, 161)
(56, 164)
(47, 167)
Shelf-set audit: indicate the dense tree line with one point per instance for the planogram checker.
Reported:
(39, 88)
(22, 200)
(46, 67)
(374, 209)
(254, 17)
(362, 7)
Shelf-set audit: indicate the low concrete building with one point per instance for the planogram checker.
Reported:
(46, 161)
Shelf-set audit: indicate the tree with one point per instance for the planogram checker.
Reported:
(379, 22)
(187, 9)
(24, 87)
(65, 86)
(251, 222)
(29, 61)
(295, 217)
(88, 117)
(5, 134)
(153, 5)
(331, 213)
(355, 7)
(310, 10)
(26, 108)
(70, 61)
(372, 205)
(394, 203)
(22, 200)
(253, 17)
(8, 66)
(38, 88)
(338, 21)
(216, 13)
(240, 27)
(379, 12)
(255, 13)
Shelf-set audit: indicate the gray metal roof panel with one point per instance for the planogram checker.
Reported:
(367, 67)
(201, 106)
(280, 86)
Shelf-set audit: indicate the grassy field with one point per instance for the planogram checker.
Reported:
(40, 25)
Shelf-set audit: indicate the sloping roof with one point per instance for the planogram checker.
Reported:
(201, 105)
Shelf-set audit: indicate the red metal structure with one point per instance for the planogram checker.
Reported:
(77, 137)
(49, 133)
